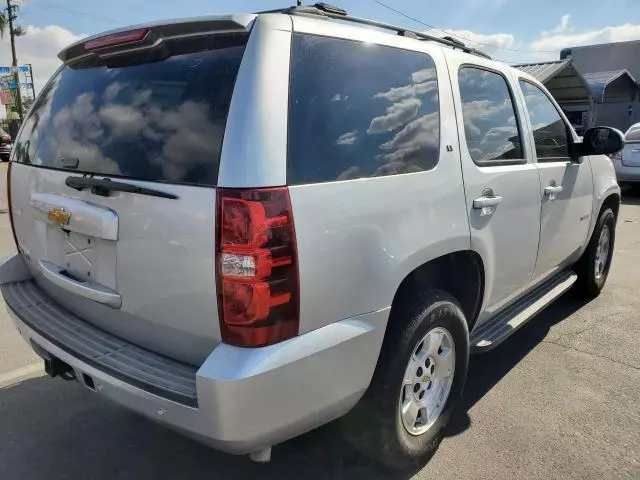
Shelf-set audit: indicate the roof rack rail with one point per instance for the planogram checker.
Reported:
(330, 11)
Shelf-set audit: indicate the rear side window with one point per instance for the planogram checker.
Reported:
(359, 110)
(549, 130)
(160, 121)
(490, 121)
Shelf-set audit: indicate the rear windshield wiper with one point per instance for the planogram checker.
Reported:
(103, 186)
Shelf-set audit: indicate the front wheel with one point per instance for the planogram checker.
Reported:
(593, 267)
(418, 381)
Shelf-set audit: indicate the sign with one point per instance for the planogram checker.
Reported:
(5, 97)
(11, 85)
(9, 70)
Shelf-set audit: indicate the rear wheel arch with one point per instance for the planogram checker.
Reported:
(460, 274)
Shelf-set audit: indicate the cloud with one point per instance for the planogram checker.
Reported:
(559, 38)
(39, 47)
(548, 43)
(562, 27)
(413, 90)
(348, 138)
(424, 75)
(416, 143)
(398, 114)
(488, 43)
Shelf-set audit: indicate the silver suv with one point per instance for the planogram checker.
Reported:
(245, 227)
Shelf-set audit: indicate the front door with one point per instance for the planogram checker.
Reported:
(566, 186)
(502, 186)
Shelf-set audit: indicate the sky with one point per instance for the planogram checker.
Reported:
(510, 30)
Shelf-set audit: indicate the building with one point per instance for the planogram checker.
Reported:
(612, 71)
(568, 87)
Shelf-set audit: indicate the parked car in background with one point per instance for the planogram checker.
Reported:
(440, 200)
(5, 145)
(627, 161)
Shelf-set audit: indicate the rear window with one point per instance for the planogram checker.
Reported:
(159, 121)
(633, 135)
(360, 110)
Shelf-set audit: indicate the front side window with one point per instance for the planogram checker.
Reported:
(490, 121)
(359, 110)
(549, 130)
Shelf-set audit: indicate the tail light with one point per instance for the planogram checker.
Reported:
(258, 286)
(13, 228)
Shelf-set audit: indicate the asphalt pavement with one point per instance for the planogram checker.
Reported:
(559, 400)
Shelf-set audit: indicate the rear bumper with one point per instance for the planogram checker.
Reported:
(245, 399)
(627, 174)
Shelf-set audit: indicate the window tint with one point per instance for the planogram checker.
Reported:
(490, 122)
(161, 121)
(360, 110)
(549, 130)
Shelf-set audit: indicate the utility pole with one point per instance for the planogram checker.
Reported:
(12, 34)
(33, 87)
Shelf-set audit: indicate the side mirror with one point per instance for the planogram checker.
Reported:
(601, 141)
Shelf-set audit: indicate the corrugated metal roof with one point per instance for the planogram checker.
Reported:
(561, 78)
(543, 71)
(598, 81)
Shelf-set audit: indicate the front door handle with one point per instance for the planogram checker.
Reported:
(552, 191)
(487, 201)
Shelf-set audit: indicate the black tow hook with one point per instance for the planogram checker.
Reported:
(57, 368)
(54, 367)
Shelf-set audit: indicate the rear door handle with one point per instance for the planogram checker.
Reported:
(552, 191)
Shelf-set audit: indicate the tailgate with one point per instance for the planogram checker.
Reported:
(113, 192)
(631, 155)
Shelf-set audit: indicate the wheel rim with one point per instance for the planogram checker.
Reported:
(427, 381)
(602, 252)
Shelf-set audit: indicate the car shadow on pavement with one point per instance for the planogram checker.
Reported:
(51, 429)
(54, 429)
(631, 195)
(487, 369)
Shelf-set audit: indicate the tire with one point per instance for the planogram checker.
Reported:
(589, 283)
(375, 426)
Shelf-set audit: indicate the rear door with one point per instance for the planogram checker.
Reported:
(114, 186)
(501, 184)
(566, 186)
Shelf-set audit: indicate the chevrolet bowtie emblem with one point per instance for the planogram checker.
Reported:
(59, 216)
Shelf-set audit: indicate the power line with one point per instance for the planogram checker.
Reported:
(459, 36)
(45, 5)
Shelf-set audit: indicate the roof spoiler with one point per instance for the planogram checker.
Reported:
(157, 33)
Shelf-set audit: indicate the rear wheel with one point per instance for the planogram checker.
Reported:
(593, 267)
(418, 381)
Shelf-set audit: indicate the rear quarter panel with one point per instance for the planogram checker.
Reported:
(358, 239)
